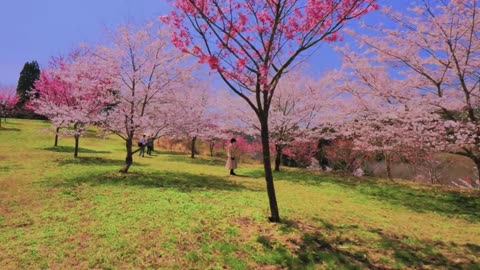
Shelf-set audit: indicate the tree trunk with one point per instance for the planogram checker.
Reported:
(77, 139)
(129, 158)
(477, 164)
(56, 136)
(275, 216)
(388, 163)
(194, 139)
(211, 145)
(322, 159)
(433, 173)
(278, 157)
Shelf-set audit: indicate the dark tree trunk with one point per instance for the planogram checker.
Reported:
(278, 157)
(477, 164)
(275, 216)
(194, 139)
(129, 158)
(77, 139)
(476, 160)
(211, 146)
(56, 136)
(388, 163)
(322, 158)
(433, 174)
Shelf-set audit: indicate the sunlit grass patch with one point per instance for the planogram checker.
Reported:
(171, 212)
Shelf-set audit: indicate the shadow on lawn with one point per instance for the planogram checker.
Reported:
(181, 181)
(71, 149)
(92, 161)
(420, 199)
(343, 247)
(9, 129)
(187, 159)
(449, 203)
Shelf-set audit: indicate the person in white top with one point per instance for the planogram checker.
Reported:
(232, 156)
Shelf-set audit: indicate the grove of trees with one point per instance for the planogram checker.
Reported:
(409, 89)
(252, 44)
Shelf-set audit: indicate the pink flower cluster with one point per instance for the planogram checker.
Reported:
(244, 40)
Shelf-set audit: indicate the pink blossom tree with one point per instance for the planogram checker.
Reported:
(297, 116)
(197, 115)
(301, 151)
(146, 72)
(73, 92)
(430, 55)
(294, 116)
(213, 135)
(54, 91)
(246, 145)
(8, 100)
(343, 155)
(372, 110)
(251, 44)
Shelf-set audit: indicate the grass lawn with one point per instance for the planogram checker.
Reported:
(172, 212)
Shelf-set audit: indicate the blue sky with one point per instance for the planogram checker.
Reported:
(39, 29)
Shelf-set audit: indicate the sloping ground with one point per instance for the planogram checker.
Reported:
(446, 169)
(172, 212)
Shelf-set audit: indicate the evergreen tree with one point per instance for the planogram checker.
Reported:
(30, 73)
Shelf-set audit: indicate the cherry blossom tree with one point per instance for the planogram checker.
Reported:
(213, 135)
(429, 61)
(343, 155)
(251, 44)
(73, 92)
(294, 116)
(197, 116)
(301, 151)
(372, 110)
(146, 72)
(54, 91)
(297, 116)
(8, 100)
(246, 145)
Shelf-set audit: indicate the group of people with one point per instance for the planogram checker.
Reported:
(145, 141)
(232, 151)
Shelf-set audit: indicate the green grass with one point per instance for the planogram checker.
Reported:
(171, 212)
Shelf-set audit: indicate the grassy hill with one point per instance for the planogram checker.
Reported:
(172, 212)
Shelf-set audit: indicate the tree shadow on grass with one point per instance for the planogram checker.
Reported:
(448, 203)
(418, 254)
(71, 149)
(199, 160)
(181, 181)
(9, 129)
(312, 248)
(343, 247)
(92, 161)
(418, 198)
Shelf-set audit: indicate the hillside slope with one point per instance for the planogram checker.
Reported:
(172, 212)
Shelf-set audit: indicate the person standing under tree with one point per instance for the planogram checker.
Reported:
(232, 156)
(141, 143)
(149, 145)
